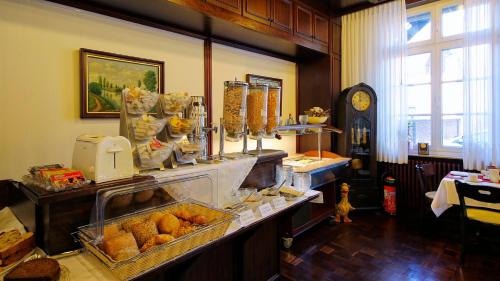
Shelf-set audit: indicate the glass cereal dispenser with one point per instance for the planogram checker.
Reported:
(235, 105)
(273, 111)
(257, 110)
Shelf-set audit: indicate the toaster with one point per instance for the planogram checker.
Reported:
(103, 158)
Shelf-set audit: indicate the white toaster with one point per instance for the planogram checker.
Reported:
(103, 158)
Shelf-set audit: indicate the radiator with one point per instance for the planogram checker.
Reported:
(408, 194)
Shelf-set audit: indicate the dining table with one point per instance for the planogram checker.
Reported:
(447, 196)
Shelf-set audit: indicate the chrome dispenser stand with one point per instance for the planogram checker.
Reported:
(245, 139)
(221, 139)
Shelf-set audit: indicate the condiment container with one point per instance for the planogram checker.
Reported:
(257, 110)
(273, 111)
(235, 105)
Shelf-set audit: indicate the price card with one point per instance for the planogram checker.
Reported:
(246, 217)
(265, 209)
(279, 203)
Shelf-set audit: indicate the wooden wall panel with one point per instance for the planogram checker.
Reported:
(207, 64)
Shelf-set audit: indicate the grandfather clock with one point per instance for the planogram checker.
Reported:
(357, 117)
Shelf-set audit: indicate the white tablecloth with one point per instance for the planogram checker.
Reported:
(446, 196)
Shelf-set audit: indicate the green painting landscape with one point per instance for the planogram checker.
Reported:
(108, 77)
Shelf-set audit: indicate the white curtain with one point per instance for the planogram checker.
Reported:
(373, 52)
(481, 84)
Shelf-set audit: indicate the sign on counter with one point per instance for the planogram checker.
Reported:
(246, 217)
(265, 210)
(279, 203)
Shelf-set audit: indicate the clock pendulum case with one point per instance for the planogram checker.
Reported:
(357, 117)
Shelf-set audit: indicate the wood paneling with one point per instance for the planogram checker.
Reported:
(282, 14)
(207, 68)
(336, 38)
(303, 21)
(259, 10)
(321, 29)
(231, 5)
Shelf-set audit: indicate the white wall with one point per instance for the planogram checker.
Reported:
(39, 76)
(229, 63)
(40, 83)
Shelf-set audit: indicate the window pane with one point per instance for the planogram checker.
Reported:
(453, 64)
(419, 130)
(453, 130)
(418, 69)
(452, 20)
(418, 28)
(419, 99)
(452, 97)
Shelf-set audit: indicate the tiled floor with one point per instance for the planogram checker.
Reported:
(379, 247)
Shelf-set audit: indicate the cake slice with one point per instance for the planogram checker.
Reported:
(43, 269)
(14, 246)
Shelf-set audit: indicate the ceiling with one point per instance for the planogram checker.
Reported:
(348, 6)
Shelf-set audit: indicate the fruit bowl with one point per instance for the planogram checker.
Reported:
(317, 119)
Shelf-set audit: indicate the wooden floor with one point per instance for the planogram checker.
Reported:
(379, 247)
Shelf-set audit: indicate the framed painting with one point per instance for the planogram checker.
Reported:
(273, 82)
(104, 75)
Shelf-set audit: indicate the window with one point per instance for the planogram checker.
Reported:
(435, 77)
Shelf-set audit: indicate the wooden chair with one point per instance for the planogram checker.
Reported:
(469, 214)
(425, 176)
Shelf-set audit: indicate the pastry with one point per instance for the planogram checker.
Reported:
(14, 246)
(143, 231)
(156, 217)
(144, 196)
(111, 230)
(150, 243)
(199, 219)
(163, 238)
(127, 225)
(43, 269)
(121, 247)
(183, 214)
(184, 223)
(168, 224)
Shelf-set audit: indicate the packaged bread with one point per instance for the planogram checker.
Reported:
(45, 269)
(111, 230)
(127, 225)
(156, 217)
(121, 247)
(144, 231)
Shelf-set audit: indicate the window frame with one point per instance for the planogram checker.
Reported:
(435, 45)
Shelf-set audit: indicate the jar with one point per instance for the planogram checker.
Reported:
(257, 110)
(235, 104)
(273, 111)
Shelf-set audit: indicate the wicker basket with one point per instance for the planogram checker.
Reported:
(219, 221)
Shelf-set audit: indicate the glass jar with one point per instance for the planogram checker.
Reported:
(257, 110)
(273, 111)
(235, 104)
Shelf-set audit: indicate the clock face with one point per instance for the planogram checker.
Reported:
(361, 101)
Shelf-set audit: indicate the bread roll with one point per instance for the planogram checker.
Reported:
(168, 224)
(111, 230)
(183, 214)
(121, 247)
(199, 219)
(121, 201)
(144, 196)
(143, 231)
(150, 243)
(163, 238)
(127, 225)
(156, 217)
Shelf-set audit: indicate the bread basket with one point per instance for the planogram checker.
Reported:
(90, 236)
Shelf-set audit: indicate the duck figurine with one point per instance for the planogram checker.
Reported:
(344, 207)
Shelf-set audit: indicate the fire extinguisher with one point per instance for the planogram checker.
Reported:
(390, 186)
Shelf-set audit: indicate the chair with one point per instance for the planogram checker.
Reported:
(425, 176)
(486, 194)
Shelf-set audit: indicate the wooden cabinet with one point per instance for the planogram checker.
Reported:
(320, 33)
(231, 5)
(282, 14)
(259, 10)
(303, 21)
